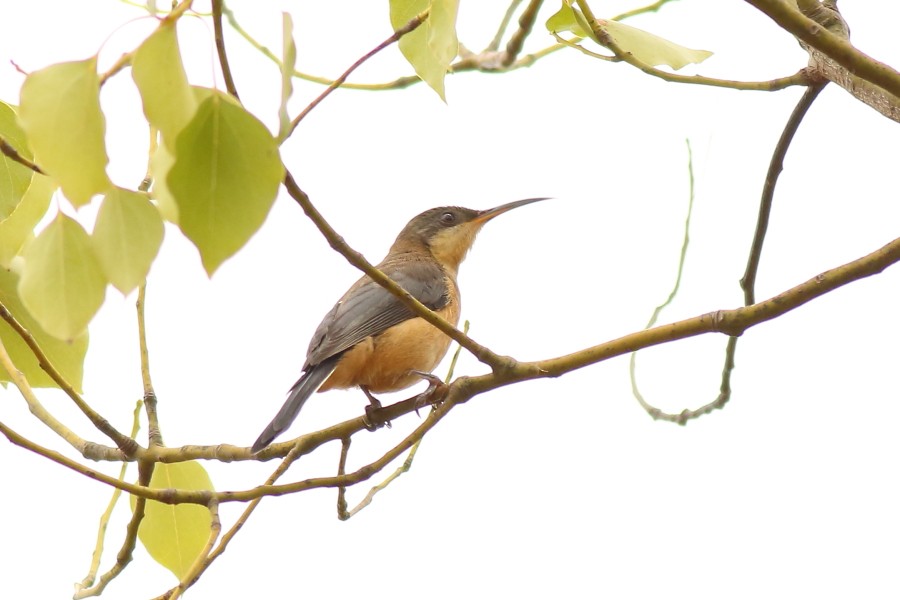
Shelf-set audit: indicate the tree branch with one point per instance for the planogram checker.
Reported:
(839, 51)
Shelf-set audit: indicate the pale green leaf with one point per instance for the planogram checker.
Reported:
(433, 45)
(226, 174)
(66, 357)
(289, 59)
(650, 49)
(175, 534)
(159, 74)
(646, 47)
(160, 164)
(126, 237)
(60, 113)
(14, 177)
(18, 228)
(62, 285)
(567, 19)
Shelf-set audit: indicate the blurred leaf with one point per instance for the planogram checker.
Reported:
(160, 164)
(159, 74)
(433, 45)
(175, 534)
(126, 237)
(14, 177)
(651, 49)
(226, 174)
(62, 285)
(646, 47)
(567, 19)
(67, 357)
(289, 59)
(18, 228)
(60, 112)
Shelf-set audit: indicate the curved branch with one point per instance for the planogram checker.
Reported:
(838, 49)
(356, 259)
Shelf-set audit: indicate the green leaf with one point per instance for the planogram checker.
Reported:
(62, 285)
(650, 49)
(67, 357)
(226, 174)
(127, 237)
(14, 177)
(433, 45)
(60, 112)
(646, 47)
(158, 72)
(566, 19)
(175, 534)
(289, 59)
(160, 164)
(18, 228)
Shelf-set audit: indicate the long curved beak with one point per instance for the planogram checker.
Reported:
(486, 215)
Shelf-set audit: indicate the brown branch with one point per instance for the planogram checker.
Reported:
(154, 432)
(13, 154)
(526, 23)
(220, 48)
(413, 24)
(835, 47)
(356, 259)
(124, 443)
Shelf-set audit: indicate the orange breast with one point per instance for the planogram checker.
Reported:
(383, 363)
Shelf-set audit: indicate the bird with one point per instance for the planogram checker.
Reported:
(373, 341)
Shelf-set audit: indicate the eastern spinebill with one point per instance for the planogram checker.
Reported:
(370, 339)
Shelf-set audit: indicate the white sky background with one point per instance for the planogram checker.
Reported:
(561, 488)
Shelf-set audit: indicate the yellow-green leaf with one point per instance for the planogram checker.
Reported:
(159, 74)
(651, 49)
(175, 534)
(160, 164)
(646, 47)
(126, 237)
(60, 113)
(62, 285)
(18, 228)
(226, 174)
(567, 19)
(289, 59)
(14, 177)
(66, 357)
(433, 45)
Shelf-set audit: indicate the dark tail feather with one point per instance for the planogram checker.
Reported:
(305, 387)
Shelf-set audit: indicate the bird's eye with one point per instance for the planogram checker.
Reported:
(448, 218)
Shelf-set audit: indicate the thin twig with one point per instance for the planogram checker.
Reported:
(84, 589)
(504, 23)
(776, 165)
(686, 240)
(483, 354)
(220, 48)
(343, 513)
(517, 41)
(840, 50)
(413, 24)
(200, 563)
(124, 443)
(154, 433)
(13, 154)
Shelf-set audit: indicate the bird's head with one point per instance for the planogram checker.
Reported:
(449, 231)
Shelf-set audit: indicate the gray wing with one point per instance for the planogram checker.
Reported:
(368, 309)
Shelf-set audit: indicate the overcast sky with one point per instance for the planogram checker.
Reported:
(556, 488)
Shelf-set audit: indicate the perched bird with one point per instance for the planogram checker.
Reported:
(370, 339)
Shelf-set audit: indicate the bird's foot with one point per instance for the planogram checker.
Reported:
(372, 422)
(434, 394)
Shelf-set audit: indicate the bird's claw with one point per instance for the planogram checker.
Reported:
(371, 422)
(433, 394)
